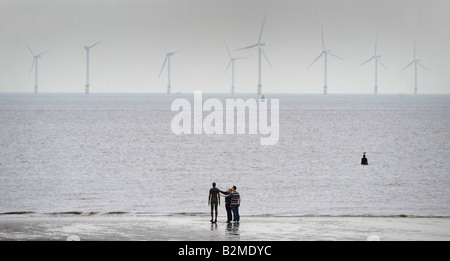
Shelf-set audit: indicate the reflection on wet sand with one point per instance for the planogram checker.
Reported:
(232, 231)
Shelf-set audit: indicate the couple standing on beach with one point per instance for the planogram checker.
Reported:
(232, 202)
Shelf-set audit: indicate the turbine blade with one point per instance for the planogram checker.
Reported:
(227, 67)
(367, 61)
(315, 61)
(323, 41)
(407, 66)
(423, 66)
(376, 43)
(95, 44)
(43, 52)
(414, 49)
(332, 54)
(31, 69)
(266, 58)
(228, 50)
(29, 49)
(262, 28)
(382, 64)
(162, 68)
(248, 47)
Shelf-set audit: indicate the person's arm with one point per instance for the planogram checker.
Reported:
(224, 194)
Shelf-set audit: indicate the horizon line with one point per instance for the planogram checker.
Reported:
(222, 93)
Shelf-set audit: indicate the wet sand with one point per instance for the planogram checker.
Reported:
(198, 228)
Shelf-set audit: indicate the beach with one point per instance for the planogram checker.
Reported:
(198, 228)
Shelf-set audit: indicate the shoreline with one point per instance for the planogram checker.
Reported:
(198, 228)
(75, 213)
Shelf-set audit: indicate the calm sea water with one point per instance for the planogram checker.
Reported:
(107, 153)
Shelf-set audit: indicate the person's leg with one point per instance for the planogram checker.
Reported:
(233, 208)
(237, 213)
(215, 208)
(229, 216)
(212, 208)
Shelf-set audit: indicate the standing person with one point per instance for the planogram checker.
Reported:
(235, 204)
(227, 196)
(213, 200)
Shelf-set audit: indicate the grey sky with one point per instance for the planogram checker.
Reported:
(135, 33)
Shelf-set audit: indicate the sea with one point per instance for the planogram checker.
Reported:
(102, 154)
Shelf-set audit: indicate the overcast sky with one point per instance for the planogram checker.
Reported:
(136, 32)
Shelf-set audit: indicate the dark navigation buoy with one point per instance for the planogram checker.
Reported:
(364, 160)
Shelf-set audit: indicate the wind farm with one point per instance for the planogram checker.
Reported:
(325, 52)
(35, 66)
(377, 60)
(289, 61)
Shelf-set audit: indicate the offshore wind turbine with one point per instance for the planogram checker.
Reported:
(326, 53)
(415, 62)
(87, 65)
(35, 65)
(260, 52)
(232, 59)
(377, 60)
(167, 60)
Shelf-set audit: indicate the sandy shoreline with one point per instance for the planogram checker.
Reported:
(193, 228)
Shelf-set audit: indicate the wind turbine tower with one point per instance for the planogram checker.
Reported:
(415, 62)
(35, 66)
(377, 60)
(260, 52)
(87, 48)
(324, 53)
(167, 60)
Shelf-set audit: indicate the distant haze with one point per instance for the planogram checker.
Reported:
(135, 34)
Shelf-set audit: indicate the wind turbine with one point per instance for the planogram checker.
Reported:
(260, 51)
(377, 60)
(87, 65)
(35, 65)
(326, 53)
(415, 62)
(167, 60)
(232, 59)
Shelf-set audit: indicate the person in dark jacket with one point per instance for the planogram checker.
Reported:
(227, 195)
